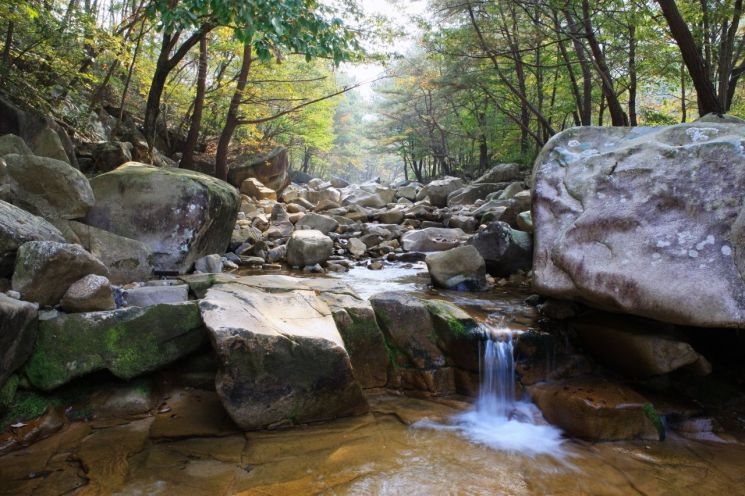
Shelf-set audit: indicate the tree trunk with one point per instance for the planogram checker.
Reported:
(231, 121)
(187, 160)
(708, 101)
(618, 117)
(683, 105)
(584, 105)
(632, 74)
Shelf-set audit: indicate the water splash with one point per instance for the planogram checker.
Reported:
(498, 420)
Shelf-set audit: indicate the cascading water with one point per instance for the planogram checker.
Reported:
(497, 392)
(498, 420)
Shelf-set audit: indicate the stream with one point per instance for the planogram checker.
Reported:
(497, 444)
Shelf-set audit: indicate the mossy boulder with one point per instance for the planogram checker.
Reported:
(127, 342)
(458, 334)
(181, 215)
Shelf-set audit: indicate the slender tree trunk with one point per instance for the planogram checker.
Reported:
(708, 101)
(683, 104)
(231, 120)
(187, 160)
(618, 117)
(632, 73)
(585, 104)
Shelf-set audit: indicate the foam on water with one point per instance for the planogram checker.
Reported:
(498, 420)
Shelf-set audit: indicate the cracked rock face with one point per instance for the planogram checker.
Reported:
(282, 359)
(647, 221)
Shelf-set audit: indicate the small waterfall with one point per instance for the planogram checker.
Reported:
(499, 420)
(497, 393)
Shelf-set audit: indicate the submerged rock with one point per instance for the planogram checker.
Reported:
(179, 214)
(44, 270)
(461, 268)
(18, 329)
(282, 360)
(647, 221)
(18, 227)
(127, 342)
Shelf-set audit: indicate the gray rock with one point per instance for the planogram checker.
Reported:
(501, 173)
(473, 192)
(432, 239)
(17, 227)
(18, 327)
(525, 221)
(44, 270)
(357, 247)
(179, 214)
(392, 216)
(282, 360)
(147, 296)
(646, 221)
(322, 223)
(308, 247)
(47, 187)
(461, 269)
(209, 264)
(438, 191)
(90, 294)
(12, 144)
(504, 249)
(128, 260)
(108, 155)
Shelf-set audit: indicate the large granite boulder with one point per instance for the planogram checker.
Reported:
(128, 260)
(180, 215)
(17, 334)
(308, 247)
(322, 223)
(90, 294)
(432, 239)
(439, 190)
(44, 270)
(47, 187)
(10, 144)
(271, 170)
(504, 249)
(647, 221)
(17, 227)
(282, 360)
(128, 342)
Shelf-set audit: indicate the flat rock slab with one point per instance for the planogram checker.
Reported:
(646, 221)
(282, 360)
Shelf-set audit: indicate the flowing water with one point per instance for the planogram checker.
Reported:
(497, 419)
(498, 445)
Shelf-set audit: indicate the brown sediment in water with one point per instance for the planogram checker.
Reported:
(377, 454)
